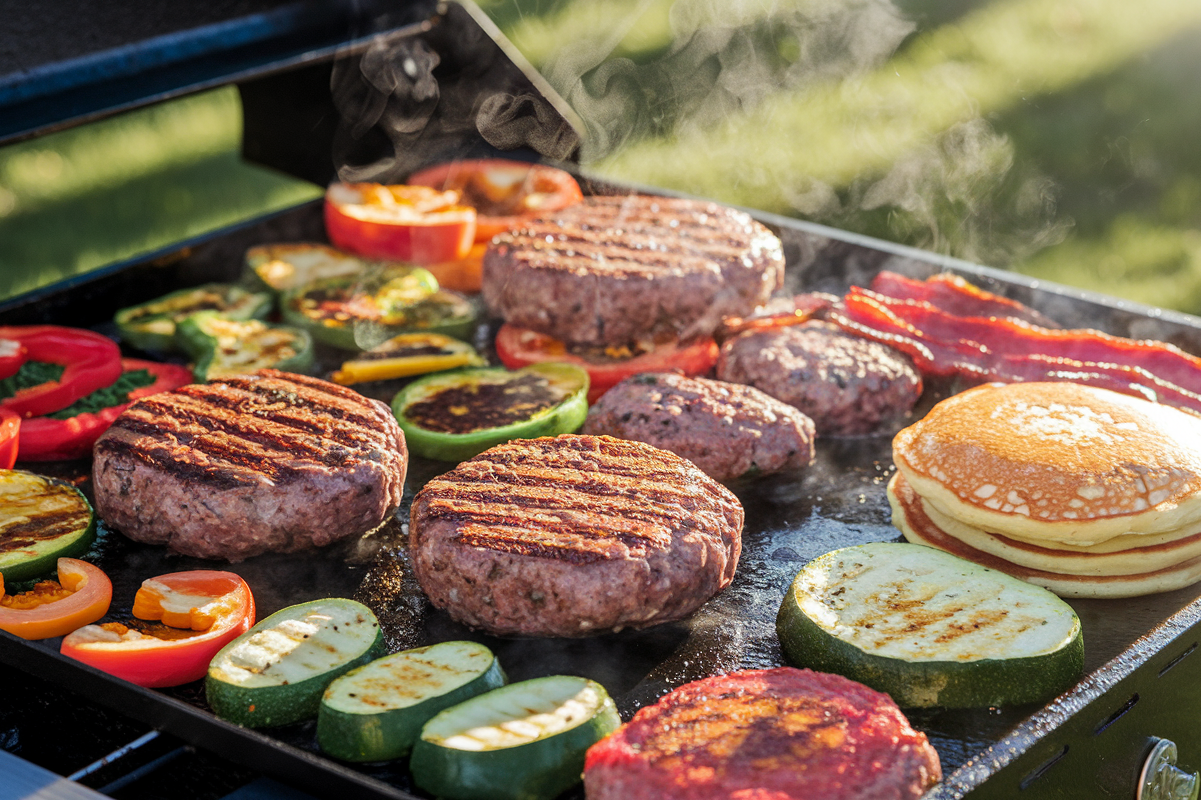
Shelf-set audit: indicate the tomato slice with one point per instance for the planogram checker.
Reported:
(519, 347)
(10, 430)
(415, 224)
(502, 192)
(202, 610)
(81, 596)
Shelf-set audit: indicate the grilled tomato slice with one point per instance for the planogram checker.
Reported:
(414, 224)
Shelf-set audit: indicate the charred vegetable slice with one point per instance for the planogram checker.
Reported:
(81, 595)
(151, 326)
(525, 741)
(456, 415)
(41, 520)
(275, 673)
(407, 355)
(358, 313)
(280, 267)
(375, 713)
(929, 628)
(222, 347)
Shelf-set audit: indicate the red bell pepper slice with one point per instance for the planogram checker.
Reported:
(90, 362)
(81, 596)
(414, 224)
(10, 430)
(216, 606)
(48, 439)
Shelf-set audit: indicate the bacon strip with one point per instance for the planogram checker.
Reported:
(979, 349)
(954, 295)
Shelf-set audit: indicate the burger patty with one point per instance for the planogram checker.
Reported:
(611, 270)
(784, 734)
(726, 429)
(849, 386)
(573, 536)
(250, 464)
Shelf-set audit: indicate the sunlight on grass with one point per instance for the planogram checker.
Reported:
(1136, 259)
(988, 62)
(80, 199)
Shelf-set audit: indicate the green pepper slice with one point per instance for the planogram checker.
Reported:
(280, 267)
(451, 416)
(358, 312)
(222, 346)
(151, 325)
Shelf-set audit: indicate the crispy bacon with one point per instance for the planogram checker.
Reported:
(1005, 349)
(954, 295)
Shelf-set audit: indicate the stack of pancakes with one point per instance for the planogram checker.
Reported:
(1084, 491)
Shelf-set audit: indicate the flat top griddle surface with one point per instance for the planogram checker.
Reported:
(790, 519)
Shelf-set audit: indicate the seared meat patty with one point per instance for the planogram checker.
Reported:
(573, 536)
(783, 734)
(250, 464)
(726, 429)
(611, 270)
(849, 386)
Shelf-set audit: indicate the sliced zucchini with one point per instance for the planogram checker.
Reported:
(456, 415)
(275, 673)
(41, 521)
(151, 325)
(375, 713)
(448, 313)
(222, 347)
(525, 741)
(929, 628)
(358, 312)
(407, 355)
(280, 267)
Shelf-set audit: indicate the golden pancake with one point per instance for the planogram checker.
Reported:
(1057, 463)
(1141, 557)
(909, 516)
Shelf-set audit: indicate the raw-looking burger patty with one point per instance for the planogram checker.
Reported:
(250, 464)
(726, 429)
(849, 386)
(573, 536)
(611, 270)
(776, 734)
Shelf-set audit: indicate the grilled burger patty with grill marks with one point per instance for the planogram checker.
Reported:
(610, 270)
(573, 536)
(249, 464)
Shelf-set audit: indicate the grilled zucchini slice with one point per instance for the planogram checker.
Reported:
(276, 672)
(279, 267)
(375, 712)
(525, 741)
(929, 628)
(41, 521)
(152, 325)
(221, 347)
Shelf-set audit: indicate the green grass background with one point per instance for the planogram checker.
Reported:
(1057, 138)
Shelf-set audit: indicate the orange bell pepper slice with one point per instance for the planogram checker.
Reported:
(81, 596)
(202, 610)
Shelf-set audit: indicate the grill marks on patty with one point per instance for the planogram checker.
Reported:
(241, 430)
(663, 241)
(577, 504)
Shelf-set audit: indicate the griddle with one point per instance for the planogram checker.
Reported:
(1142, 679)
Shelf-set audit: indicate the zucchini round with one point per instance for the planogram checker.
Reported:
(929, 628)
(152, 325)
(41, 521)
(451, 416)
(279, 267)
(222, 347)
(525, 741)
(375, 712)
(276, 672)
